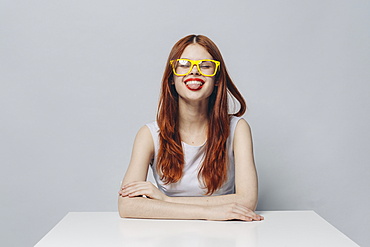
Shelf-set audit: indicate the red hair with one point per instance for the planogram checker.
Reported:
(213, 171)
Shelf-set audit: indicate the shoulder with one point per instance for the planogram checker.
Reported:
(242, 124)
(144, 137)
(239, 124)
(233, 123)
(242, 131)
(144, 131)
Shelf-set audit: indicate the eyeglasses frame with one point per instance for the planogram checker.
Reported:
(194, 62)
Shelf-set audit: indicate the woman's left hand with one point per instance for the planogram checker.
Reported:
(142, 188)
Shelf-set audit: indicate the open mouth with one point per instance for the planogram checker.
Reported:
(194, 84)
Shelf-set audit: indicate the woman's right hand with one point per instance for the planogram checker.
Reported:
(232, 211)
(142, 188)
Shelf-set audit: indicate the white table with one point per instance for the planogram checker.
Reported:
(280, 228)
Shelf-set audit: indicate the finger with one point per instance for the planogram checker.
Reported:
(254, 216)
(258, 217)
(242, 214)
(242, 217)
(132, 184)
(139, 193)
(247, 212)
(140, 188)
(129, 188)
(244, 210)
(133, 189)
(135, 185)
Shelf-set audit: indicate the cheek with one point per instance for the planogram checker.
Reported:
(211, 84)
(211, 81)
(177, 82)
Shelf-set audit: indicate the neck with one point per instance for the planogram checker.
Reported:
(193, 117)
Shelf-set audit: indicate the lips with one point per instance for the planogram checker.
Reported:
(194, 84)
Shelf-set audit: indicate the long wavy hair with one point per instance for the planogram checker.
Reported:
(170, 159)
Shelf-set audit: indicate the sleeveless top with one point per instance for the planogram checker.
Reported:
(189, 184)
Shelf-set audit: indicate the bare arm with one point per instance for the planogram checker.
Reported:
(161, 206)
(245, 175)
(141, 207)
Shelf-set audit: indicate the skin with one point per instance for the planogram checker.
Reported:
(192, 125)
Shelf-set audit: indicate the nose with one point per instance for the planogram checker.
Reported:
(194, 70)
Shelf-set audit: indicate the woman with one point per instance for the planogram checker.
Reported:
(201, 156)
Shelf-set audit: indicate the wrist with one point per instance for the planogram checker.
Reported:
(167, 198)
(206, 213)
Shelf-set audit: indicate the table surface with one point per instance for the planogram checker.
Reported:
(280, 228)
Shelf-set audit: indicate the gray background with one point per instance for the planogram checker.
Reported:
(79, 78)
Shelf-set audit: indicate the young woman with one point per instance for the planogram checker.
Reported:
(201, 156)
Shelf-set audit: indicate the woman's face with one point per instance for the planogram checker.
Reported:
(194, 86)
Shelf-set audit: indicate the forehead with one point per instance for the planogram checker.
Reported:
(196, 52)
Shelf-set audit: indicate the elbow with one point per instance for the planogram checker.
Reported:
(128, 207)
(124, 205)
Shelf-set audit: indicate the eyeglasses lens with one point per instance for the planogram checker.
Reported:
(184, 67)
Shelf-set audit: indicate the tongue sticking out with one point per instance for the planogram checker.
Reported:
(194, 86)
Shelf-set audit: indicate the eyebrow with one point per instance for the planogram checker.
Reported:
(195, 59)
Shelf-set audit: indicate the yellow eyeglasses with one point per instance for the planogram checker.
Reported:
(183, 66)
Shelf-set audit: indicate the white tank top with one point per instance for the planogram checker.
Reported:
(189, 185)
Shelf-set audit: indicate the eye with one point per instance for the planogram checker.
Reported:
(183, 63)
(206, 65)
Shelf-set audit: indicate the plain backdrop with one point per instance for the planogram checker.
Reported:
(78, 78)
